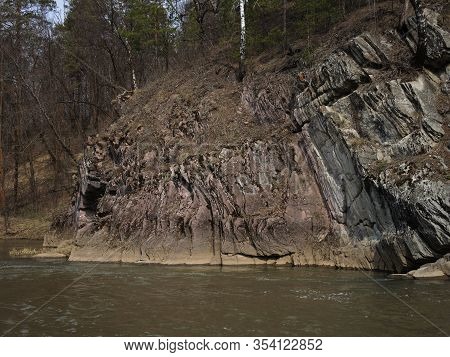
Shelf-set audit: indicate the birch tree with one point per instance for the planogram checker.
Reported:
(120, 8)
(285, 39)
(421, 51)
(404, 14)
(242, 46)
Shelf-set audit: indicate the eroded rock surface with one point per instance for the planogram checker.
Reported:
(440, 269)
(360, 180)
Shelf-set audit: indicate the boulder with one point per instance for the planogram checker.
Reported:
(444, 264)
(428, 272)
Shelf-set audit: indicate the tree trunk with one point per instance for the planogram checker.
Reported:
(57, 168)
(404, 14)
(375, 12)
(421, 52)
(3, 202)
(45, 115)
(131, 66)
(127, 46)
(32, 181)
(18, 55)
(242, 49)
(16, 170)
(167, 48)
(285, 39)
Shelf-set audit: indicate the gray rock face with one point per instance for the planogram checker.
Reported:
(438, 46)
(361, 183)
(349, 128)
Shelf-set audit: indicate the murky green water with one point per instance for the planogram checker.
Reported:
(135, 300)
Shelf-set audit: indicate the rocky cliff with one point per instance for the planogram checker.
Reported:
(343, 164)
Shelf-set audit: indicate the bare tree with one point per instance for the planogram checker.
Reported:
(3, 201)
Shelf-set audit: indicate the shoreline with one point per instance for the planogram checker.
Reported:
(438, 270)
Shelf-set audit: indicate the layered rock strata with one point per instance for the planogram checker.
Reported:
(360, 181)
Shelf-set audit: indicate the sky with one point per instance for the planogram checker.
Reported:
(60, 10)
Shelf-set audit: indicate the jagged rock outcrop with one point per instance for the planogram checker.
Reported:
(360, 180)
(351, 123)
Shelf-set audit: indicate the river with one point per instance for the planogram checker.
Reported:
(140, 300)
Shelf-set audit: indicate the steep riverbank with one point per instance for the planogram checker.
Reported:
(343, 163)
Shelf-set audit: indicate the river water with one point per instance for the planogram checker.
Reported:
(135, 300)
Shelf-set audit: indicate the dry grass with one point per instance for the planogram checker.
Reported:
(42, 167)
(197, 112)
(24, 252)
(32, 220)
(50, 185)
(207, 95)
(27, 227)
